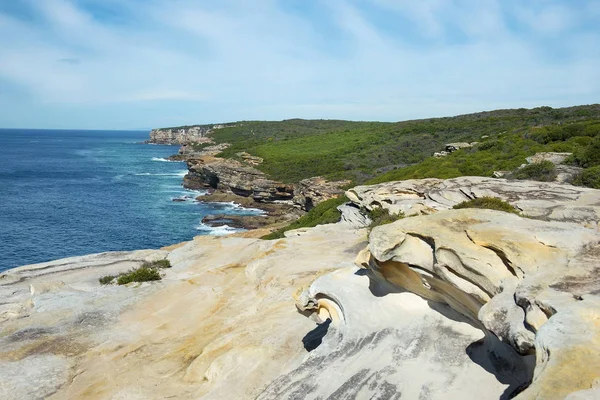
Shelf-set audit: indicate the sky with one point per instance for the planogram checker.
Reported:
(138, 64)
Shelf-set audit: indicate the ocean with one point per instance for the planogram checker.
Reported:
(66, 193)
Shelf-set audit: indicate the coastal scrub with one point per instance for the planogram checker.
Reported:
(490, 203)
(149, 271)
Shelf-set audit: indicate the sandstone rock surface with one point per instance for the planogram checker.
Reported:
(551, 201)
(533, 284)
(458, 304)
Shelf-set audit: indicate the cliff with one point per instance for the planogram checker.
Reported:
(245, 180)
(183, 135)
(445, 304)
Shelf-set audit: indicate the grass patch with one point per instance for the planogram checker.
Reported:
(490, 203)
(589, 177)
(165, 263)
(323, 213)
(141, 274)
(544, 171)
(382, 216)
(149, 271)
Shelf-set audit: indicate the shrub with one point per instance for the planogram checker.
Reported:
(105, 280)
(543, 171)
(589, 177)
(158, 264)
(323, 213)
(490, 203)
(382, 216)
(147, 272)
(588, 156)
(142, 274)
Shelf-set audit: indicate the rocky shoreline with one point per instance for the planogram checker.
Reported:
(442, 304)
(239, 181)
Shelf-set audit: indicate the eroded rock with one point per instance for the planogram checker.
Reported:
(524, 280)
(550, 201)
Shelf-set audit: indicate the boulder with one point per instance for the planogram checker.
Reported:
(554, 158)
(452, 147)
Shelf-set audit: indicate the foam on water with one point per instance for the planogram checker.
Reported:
(161, 159)
(180, 173)
(218, 230)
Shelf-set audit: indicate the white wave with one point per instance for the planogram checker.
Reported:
(232, 205)
(163, 159)
(217, 230)
(179, 173)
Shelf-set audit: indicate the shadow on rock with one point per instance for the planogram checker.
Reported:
(314, 338)
(378, 286)
(504, 363)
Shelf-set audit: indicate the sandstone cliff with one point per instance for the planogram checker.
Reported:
(446, 304)
(183, 135)
(245, 180)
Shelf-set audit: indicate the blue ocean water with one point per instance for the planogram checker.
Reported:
(67, 193)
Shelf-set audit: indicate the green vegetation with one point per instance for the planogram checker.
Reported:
(507, 151)
(105, 280)
(588, 153)
(149, 271)
(141, 274)
(200, 146)
(165, 263)
(544, 171)
(589, 177)
(490, 203)
(382, 216)
(324, 213)
(296, 149)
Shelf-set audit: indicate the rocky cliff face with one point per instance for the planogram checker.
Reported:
(233, 176)
(243, 179)
(446, 304)
(183, 135)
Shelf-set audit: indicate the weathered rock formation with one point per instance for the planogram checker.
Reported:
(456, 304)
(550, 201)
(533, 284)
(242, 179)
(452, 147)
(312, 191)
(183, 135)
(233, 176)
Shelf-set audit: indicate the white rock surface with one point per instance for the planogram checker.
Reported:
(550, 201)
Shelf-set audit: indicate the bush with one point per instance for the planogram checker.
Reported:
(588, 156)
(323, 213)
(381, 216)
(147, 272)
(142, 274)
(490, 203)
(105, 280)
(543, 171)
(589, 177)
(158, 264)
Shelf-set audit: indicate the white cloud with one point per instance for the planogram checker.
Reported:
(202, 62)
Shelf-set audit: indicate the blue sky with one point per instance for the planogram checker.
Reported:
(128, 64)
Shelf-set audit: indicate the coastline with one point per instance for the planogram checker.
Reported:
(241, 317)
